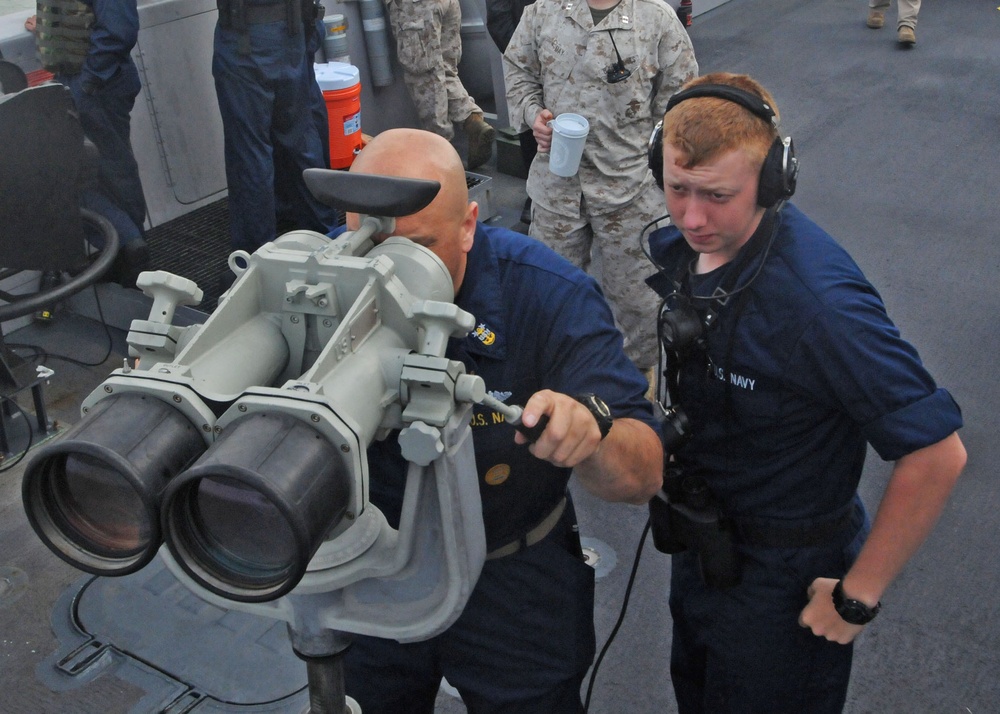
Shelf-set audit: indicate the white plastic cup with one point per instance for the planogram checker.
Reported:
(569, 136)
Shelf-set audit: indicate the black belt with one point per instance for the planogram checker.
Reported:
(533, 536)
(792, 534)
(65, 69)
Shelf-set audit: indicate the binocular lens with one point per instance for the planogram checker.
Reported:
(236, 532)
(96, 506)
(247, 517)
(93, 497)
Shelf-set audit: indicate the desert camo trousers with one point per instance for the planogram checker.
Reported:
(429, 46)
(607, 246)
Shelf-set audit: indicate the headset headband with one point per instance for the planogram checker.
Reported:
(778, 173)
(751, 102)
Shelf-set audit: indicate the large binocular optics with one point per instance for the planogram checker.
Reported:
(243, 515)
(241, 443)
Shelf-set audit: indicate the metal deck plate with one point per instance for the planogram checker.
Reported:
(187, 655)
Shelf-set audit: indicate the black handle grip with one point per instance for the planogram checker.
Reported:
(534, 432)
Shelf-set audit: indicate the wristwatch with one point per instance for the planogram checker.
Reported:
(853, 611)
(599, 409)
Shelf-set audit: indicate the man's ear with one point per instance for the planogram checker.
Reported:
(469, 225)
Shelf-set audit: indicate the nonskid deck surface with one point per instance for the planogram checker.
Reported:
(897, 152)
(195, 246)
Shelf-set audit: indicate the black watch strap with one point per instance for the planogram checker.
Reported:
(851, 610)
(600, 410)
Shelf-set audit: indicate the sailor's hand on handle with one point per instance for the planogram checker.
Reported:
(513, 414)
(569, 432)
(533, 433)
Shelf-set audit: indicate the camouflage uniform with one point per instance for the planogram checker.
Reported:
(558, 60)
(429, 47)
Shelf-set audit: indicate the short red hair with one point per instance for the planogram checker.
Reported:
(702, 128)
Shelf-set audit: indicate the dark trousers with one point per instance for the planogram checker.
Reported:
(522, 645)
(287, 206)
(742, 651)
(529, 147)
(264, 99)
(105, 117)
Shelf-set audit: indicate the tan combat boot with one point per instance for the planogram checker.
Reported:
(906, 37)
(480, 136)
(876, 18)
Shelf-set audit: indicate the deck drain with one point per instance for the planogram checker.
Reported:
(599, 555)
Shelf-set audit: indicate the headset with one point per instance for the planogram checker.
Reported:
(781, 167)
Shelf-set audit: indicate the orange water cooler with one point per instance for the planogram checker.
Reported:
(341, 85)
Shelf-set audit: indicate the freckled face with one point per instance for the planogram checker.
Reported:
(713, 204)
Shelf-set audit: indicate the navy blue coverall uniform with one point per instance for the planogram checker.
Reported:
(262, 81)
(284, 163)
(801, 371)
(104, 93)
(526, 638)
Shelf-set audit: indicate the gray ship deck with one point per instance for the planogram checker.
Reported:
(898, 151)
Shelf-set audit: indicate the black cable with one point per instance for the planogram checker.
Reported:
(37, 355)
(621, 616)
(644, 244)
(617, 72)
(31, 436)
(721, 295)
(42, 354)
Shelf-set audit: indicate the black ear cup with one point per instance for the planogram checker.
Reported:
(654, 155)
(778, 174)
(780, 170)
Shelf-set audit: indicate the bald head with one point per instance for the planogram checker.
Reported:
(448, 224)
(412, 153)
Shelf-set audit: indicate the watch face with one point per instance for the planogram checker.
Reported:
(600, 406)
(853, 611)
(600, 410)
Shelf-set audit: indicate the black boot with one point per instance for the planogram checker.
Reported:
(132, 259)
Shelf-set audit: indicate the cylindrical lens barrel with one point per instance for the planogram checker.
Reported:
(245, 520)
(93, 497)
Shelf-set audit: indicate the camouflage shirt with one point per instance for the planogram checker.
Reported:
(558, 60)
